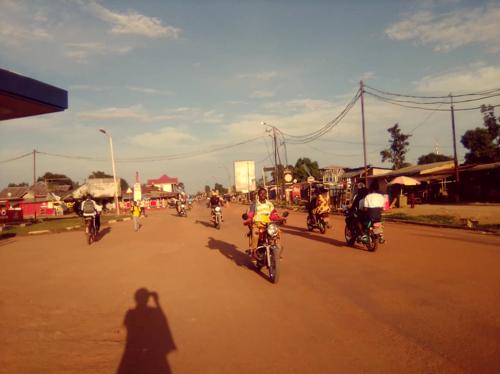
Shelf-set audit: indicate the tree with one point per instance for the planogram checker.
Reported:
(207, 189)
(181, 186)
(56, 179)
(397, 150)
(304, 168)
(101, 174)
(483, 143)
(432, 157)
(220, 188)
(22, 184)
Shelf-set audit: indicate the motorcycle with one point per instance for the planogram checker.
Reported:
(320, 223)
(90, 229)
(268, 249)
(217, 217)
(182, 210)
(374, 232)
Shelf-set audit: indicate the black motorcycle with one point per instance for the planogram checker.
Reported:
(320, 222)
(371, 238)
(268, 249)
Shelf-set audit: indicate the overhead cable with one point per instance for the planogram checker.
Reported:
(477, 93)
(16, 158)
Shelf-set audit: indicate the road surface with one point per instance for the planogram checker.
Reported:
(427, 302)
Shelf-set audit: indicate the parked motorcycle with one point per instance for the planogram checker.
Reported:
(90, 229)
(217, 217)
(268, 249)
(321, 224)
(374, 232)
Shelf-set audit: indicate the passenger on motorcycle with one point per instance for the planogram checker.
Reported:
(90, 208)
(322, 205)
(261, 212)
(372, 206)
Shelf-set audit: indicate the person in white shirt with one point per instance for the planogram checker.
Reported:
(372, 205)
(90, 208)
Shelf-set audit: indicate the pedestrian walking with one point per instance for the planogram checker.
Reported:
(136, 213)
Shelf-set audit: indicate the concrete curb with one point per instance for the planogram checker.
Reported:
(443, 226)
(38, 232)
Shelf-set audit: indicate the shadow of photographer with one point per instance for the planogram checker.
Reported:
(149, 339)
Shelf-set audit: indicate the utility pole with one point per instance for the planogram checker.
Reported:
(34, 167)
(276, 165)
(457, 179)
(361, 89)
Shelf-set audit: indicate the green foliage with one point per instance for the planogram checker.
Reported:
(220, 188)
(22, 184)
(207, 189)
(483, 143)
(398, 147)
(432, 157)
(56, 179)
(304, 167)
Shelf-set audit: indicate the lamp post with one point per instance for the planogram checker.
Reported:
(114, 170)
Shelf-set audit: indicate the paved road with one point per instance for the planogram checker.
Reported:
(427, 302)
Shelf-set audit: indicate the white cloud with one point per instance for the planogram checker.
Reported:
(444, 32)
(261, 94)
(166, 138)
(474, 78)
(134, 23)
(135, 112)
(151, 91)
(81, 52)
(264, 76)
(86, 87)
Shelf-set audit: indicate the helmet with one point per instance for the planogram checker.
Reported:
(215, 193)
(361, 185)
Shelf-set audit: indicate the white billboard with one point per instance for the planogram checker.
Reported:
(244, 176)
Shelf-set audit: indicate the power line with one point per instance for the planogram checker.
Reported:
(16, 158)
(390, 101)
(301, 139)
(478, 93)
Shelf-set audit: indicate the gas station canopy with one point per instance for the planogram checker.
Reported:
(22, 97)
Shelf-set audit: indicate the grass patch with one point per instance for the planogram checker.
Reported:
(58, 224)
(431, 218)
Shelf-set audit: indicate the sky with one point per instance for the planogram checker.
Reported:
(171, 81)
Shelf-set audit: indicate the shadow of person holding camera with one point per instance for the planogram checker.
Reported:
(149, 339)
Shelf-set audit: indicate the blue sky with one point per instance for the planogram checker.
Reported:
(171, 77)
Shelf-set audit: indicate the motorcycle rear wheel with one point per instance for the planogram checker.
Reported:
(372, 243)
(322, 227)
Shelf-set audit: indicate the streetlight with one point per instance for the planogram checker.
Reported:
(114, 170)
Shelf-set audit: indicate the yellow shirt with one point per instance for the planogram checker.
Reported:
(136, 211)
(263, 211)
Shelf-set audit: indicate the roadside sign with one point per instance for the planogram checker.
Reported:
(137, 192)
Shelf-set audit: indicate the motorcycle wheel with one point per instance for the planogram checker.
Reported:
(350, 237)
(372, 244)
(322, 227)
(310, 227)
(217, 222)
(90, 234)
(274, 266)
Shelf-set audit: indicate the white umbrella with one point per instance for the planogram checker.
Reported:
(405, 181)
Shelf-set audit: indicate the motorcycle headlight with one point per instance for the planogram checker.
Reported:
(217, 209)
(272, 229)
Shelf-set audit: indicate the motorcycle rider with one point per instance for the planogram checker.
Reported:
(372, 206)
(215, 201)
(90, 208)
(358, 213)
(181, 199)
(261, 212)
